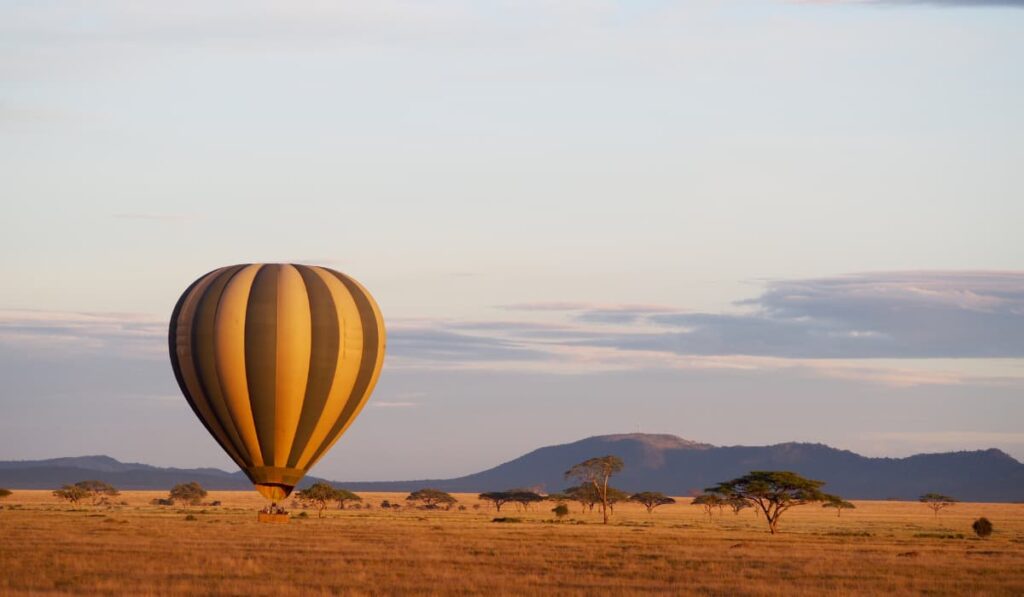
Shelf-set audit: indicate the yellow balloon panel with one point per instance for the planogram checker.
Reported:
(276, 360)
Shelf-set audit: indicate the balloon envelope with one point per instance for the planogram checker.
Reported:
(276, 360)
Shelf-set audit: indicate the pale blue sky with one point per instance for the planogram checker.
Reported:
(581, 217)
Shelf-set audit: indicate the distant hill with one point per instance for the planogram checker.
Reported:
(52, 473)
(653, 462)
(676, 466)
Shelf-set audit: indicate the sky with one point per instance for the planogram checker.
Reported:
(737, 221)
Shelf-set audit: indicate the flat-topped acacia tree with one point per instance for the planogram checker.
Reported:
(772, 492)
(318, 495)
(937, 501)
(839, 504)
(431, 498)
(651, 499)
(189, 494)
(596, 472)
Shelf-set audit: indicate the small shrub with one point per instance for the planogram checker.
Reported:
(982, 527)
(560, 511)
(462, 508)
(507, 519)
(191, 517)
(303, 514)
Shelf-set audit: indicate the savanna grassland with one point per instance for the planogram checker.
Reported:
(140, 549)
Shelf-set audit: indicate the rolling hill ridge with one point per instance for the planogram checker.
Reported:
(653, 463)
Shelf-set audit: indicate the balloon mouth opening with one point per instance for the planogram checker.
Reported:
(274, 491)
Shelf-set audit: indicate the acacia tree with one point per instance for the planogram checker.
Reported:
(737, 504)
(96, 491)
(431, 498)
(651, 499)
(709, 501)
(839, 504)
(4, 493)
(937, 501)
(773, 492)
(614, 497)
(498, 498)
(318, 495)
(596, 472)
(343, 496)
(190, 493)
(524, 498)
(586, 495)
(71, 494)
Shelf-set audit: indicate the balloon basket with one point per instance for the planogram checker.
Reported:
(272, 518)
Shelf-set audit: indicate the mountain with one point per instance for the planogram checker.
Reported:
(653, 463)
(676, 466)
(54, 472)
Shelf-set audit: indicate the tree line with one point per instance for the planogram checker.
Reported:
(769, 493)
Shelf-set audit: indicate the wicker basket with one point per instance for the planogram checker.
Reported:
(274, 518)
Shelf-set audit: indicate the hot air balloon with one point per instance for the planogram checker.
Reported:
(276, 360)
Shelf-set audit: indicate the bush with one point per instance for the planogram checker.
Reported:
(162, 502)
(561, 511)
(191, 517)
(507, 519)
(982, 527)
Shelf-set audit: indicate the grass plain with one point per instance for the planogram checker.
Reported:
(140, 549)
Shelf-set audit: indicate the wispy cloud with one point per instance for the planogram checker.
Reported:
(896, 328)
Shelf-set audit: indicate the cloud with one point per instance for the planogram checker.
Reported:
(884, 315)
(47, 333)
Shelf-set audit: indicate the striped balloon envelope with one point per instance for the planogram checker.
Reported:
(276, 360)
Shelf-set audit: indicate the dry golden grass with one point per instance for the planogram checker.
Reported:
(139, 549)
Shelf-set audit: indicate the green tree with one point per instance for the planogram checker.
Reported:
(737, 504)
(498, 498)
(597, 472)
(586, 495)
(773, 492)
(190, 493)
(431, 498)
(344, 496)
(97, 491)
(318, 495)
(709, 501)
(616, 496)
(524, 498)
(937, 501)
(73, 494)
(651, 499)
(834, 501)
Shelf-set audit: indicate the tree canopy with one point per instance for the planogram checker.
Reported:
(597, 472)
(190, 493)
(95, 491)
(4, 493)
(70, 493)
(651, 499)
(709, 501)
(318, 495)
(344, 496)
(937, 501)
(773, 492)
(839, 504)
(431, 498)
